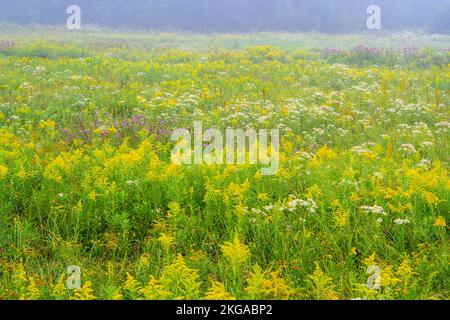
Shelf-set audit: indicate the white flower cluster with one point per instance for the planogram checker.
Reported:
(443, 124)
(364, 148)
(374, 209)
(309, 204)
(359, 150)
(132, 182)
(401, 221)
(26, 86)
(424, 164)
(408, 148)
(293, 204)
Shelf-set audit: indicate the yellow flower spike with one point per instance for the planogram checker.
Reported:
(325, 153)
(180, 280)
(405, 272)
(92, 196)
(236, 252)
(22, 174)
(314, 163)
(277, 288)
(48, 124)
(217, 291)
(388, 278)
(20, 276)
(154, 290)
(321, 285)
(336, 203)
(313, 192)
(341, 217)
(3, 171)
(112, 130)
(117, 295)
(110, 268)
(131, 284)
(255, 287)
(166, 241)
(440, 222)
(85, 293)
(371, 260)
(399, 208)
(430, 198)
(263, 197)
(60, 289)
(33, 292)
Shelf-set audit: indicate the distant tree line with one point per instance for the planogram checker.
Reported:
(332, 16)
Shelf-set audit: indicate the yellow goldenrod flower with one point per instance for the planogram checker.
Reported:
(92, 196)
(166, 241)
(388, 277)
(263, 197)
(430, 198)
(48, 124)
(218, 292)
(85, 293)
(117, 295)
(440, 222)
(236, 252)
(371, 260)
(180, 280)
(325, 153)
(276, 288)
(255, 287)
(59, 290)
(3, 171)
(405, 272)
(321, 285)
(341, 217)
(112, 130)
(131, 284)
(20, 276)
(33, 292)
(154, 290)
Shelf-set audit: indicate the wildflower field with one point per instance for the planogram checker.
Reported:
(359, 208)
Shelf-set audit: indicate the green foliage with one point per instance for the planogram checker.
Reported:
(86, 177)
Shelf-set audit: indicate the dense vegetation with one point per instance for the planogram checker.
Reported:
(86, 177)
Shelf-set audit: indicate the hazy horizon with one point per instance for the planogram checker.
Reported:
(234, 16)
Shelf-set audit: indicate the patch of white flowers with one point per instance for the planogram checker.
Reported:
(374, 209)
(132, 182)
(309, 204)
(401, 221)
(408, 148)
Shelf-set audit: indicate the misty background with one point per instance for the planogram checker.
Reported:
(330, 16)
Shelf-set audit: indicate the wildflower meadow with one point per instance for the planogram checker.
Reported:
(93, 205)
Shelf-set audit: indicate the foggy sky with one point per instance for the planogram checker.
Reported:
(332, 16)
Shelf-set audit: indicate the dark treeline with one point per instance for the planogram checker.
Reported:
(333, 16)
